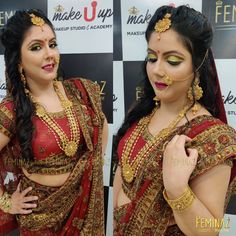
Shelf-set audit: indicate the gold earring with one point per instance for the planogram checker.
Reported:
(57, 60)
(198, 93)
(156, 100)
(24, 82)
(168, 80)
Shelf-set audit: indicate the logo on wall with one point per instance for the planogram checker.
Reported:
(135, 17)
(229, 101)
(89, 17)
(4, 16)
(222, 17)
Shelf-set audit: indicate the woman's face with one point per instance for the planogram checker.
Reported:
(168, 56)
(39, 54)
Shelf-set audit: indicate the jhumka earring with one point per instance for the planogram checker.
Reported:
(57, 60)
(168, 80)
(163, 25)
(198, 93)
(156, 100)
(24, 82)
(36, 20)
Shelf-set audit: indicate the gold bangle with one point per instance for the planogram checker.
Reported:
(5, 202)
(183, 202)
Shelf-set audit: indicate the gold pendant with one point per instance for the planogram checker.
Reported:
(128, 173)
(71, 148)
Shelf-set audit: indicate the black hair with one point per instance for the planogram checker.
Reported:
(12, 37)
(196, 34)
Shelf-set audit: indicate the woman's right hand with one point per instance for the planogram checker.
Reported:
(20, 204)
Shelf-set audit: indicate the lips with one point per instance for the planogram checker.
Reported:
(48, 67)
(160, 85)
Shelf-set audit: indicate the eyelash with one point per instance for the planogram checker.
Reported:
(37, 47)
(153, 60)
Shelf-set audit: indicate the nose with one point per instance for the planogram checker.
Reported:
(158, 68)
(49, 53)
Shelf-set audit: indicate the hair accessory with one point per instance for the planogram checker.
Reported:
(168, 80)
(163, 25)
(36, 20)
(183, 202)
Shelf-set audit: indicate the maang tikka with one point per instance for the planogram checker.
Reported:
(37, 20)
(163, 25)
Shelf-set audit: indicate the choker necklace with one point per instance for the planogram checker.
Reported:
(69, 146)
(130, 167)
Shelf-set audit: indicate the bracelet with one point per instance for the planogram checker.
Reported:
(183, 202)
(5, 202)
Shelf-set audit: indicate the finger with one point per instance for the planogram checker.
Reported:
(182, 140)
(18, 188)
(24, 212)
(174, 139)
(24, 192)
(29, 205)
(30, 198)
(192, 153)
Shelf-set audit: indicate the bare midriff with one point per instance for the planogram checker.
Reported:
(47, 180)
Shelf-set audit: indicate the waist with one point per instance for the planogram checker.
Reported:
(47, 180)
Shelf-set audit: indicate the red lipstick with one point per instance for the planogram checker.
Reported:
(161, 86)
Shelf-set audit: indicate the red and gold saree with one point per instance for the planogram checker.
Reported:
(76, 207)
(148, 213)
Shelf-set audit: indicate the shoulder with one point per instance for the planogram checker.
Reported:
(81, 81)
(207, 124)
(7, 106)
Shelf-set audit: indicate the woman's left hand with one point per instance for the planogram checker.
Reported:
(178, 164)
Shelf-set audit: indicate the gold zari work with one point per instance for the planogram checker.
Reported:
(130, 168)
(68, 146)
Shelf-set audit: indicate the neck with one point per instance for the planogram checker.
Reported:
(39, 89)
(172, 108)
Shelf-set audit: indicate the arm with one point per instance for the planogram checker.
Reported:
(117, 184)
(210, 190)
(18, 199)
(104, 137)
(4, 140)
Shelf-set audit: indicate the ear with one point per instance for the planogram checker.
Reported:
(20, 68)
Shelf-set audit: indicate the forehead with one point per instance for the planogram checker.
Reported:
(36, 33)
(170, 40)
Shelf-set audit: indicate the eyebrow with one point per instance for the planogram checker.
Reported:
(168, 52)
(39, 40)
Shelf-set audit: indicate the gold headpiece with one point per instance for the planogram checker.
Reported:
(36, 20)
(163, 24)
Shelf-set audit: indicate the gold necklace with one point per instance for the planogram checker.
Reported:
(130, 168)
(68, 146)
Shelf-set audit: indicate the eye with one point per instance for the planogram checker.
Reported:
(53, 45)
(151, 58)
(35, 47)
(174, 60)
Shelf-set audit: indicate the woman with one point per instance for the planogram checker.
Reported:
(175, 153)
(53, 137)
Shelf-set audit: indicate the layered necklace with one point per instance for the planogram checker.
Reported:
(130, 167)
(69, 146)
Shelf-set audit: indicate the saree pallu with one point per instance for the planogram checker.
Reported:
(76, 207)
(148, 214)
